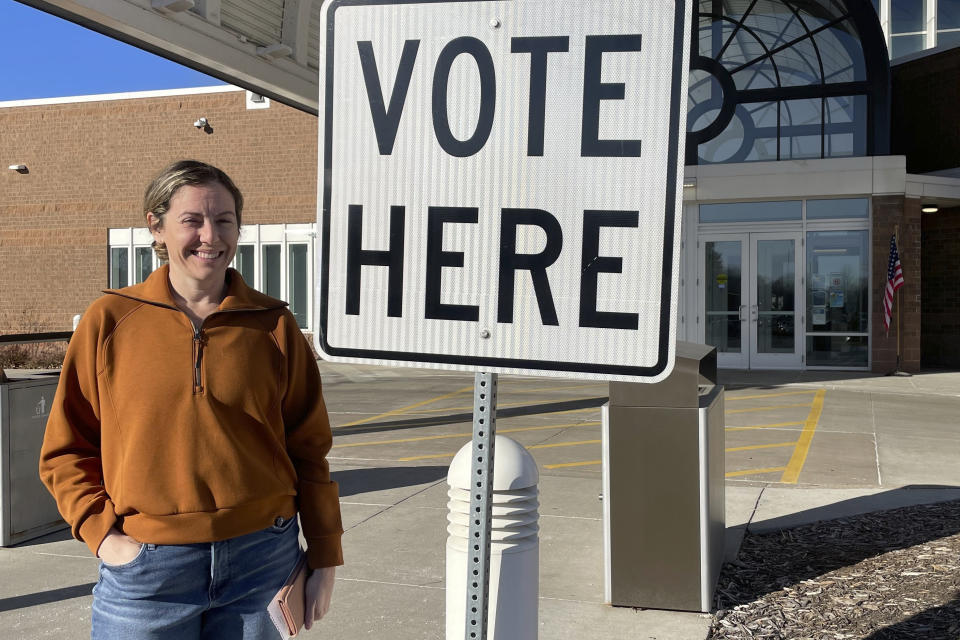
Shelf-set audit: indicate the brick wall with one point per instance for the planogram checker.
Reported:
(924, 96)
(89, 164)
(941, 301)
(889, 211)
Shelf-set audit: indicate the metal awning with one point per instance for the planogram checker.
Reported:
(267, 46)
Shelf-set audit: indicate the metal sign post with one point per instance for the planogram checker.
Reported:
(481, 481)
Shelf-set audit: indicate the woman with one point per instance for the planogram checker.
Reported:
(187, 433)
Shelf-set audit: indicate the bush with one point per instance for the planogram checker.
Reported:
(33, 355)
(37, 355)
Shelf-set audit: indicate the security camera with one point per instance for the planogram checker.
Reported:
(201, 123)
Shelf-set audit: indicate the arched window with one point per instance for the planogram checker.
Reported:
(786, 79)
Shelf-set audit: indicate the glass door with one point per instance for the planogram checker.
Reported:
(774, 283)
(722, 260)
(749, 285)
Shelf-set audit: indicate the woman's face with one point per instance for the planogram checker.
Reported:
(200, 232)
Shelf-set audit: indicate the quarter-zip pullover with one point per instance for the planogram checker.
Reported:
(178, 434)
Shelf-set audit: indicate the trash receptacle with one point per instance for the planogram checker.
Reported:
(663, 487)
(27, 510)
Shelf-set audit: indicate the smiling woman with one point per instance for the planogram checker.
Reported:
(165, 454)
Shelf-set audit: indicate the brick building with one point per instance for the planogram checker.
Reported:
(792, 192)
(88, 161)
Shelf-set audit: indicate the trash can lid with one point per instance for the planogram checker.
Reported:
(513, 466)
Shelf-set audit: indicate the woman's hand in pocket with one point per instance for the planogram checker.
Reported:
(117, 548)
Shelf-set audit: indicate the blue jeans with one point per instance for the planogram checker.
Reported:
(213, 591)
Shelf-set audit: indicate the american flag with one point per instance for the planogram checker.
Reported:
(894, 282)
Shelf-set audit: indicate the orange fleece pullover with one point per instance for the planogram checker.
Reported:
(178, 435)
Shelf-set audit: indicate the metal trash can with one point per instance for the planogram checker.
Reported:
(663, 483)
(27, 510)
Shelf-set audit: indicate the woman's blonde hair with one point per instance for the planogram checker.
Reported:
(157, 198)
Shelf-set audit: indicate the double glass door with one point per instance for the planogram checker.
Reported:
(749, 292)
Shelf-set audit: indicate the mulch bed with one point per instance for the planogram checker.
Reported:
(888, 575)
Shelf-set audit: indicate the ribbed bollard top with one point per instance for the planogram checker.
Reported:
(514, 500)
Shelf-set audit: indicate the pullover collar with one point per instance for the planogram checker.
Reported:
(155, 290)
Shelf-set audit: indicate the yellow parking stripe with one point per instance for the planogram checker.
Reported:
(407, 408)
(466, 434)
(770, 408)
(750, 472)
(762, 446)
(770, 395)
(427, 457)
(536, 446)
(792, 472)
(765, 426)
(572, 464)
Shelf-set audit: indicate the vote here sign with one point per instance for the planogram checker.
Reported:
(500, 184)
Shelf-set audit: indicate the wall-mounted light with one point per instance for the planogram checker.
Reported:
(19, 168)
(203, 124)
(929, 208)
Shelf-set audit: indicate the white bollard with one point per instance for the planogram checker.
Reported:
(514, 543)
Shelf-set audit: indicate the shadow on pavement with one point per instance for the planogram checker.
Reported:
(467, 417)
(779, 557)
(45, 597)
(57, 536)
(354, 481)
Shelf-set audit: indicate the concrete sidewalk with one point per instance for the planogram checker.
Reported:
(395, 514)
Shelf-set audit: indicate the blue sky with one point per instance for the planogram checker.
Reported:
(46, 57)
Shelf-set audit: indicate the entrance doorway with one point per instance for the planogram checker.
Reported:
(749, 297)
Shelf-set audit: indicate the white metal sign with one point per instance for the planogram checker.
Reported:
(500, 184)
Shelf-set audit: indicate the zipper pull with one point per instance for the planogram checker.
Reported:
(198, 341)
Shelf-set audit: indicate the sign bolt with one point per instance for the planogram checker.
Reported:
(484, 334)
(494, 23)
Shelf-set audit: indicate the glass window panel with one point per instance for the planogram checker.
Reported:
(837, 281)
(751, 211)
(876, 6)
(297, 282)
(816, 13)
(118, 267)
(704, 100)
(244, 262)
(270, 270)
(775, 296)
(841, 53)
(800, 126)
(907, 16)
(948, 38)
(713, 35)
(845, 127)
(760, 75)
(948, 14)
(904, 45)
(728, 146)
(723, 295)
(775, 23)
(837, 208)
(142, 263)
(798, 65)
(837, 351)
(761, 137)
